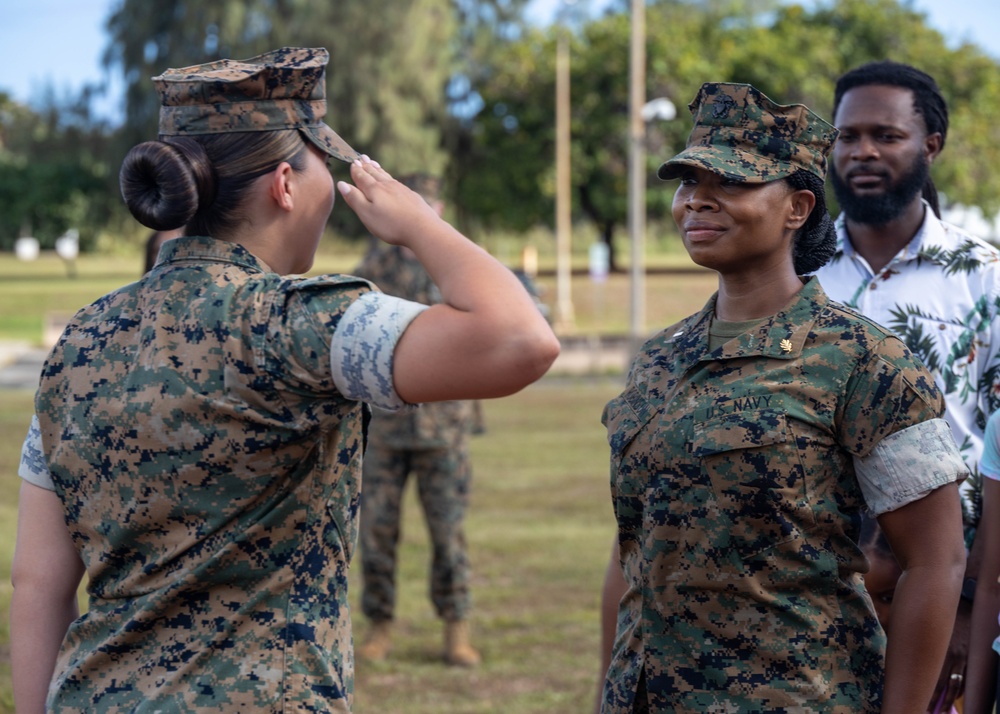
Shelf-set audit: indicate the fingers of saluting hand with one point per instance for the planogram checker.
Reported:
(366, 173)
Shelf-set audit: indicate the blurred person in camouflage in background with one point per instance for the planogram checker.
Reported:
(748, 441)
(198, 436)
(430, 443)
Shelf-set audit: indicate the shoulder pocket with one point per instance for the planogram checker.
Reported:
(625, 416)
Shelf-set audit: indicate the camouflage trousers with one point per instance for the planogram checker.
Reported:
(443, 477)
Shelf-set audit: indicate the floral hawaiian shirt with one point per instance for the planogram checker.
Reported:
(941, 295)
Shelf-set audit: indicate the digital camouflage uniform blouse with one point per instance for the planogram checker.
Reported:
(209, 467)
(738, 476)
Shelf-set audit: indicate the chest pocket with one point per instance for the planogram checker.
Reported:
(753, 463)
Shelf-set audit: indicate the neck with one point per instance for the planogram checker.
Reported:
(741, 299)
(879, 244)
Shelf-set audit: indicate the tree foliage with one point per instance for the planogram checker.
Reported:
(390, 62)
(791, 53)
(467, 88)
(53, 171)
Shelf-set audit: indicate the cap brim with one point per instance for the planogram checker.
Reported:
(733, 164)
(330, 142)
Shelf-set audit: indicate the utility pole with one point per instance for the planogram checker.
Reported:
(565, 320)
(637, 174)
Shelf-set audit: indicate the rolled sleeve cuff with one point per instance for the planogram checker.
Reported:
(33, 468)
(907, 465)
(362, 347)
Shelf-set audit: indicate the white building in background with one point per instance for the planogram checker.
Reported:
(971, 219)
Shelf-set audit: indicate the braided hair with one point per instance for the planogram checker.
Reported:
(927, 101)
(816, 241)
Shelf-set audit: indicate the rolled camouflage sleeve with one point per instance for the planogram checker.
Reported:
(909, 464)
(361, 350)
(890, 390)
(33, 468)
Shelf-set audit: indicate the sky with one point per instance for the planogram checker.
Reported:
(57, 44)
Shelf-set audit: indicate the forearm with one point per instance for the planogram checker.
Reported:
(923, 615)
(487, 340)
(471, 280)
(45, 573)
(38, 624)
(981, 671)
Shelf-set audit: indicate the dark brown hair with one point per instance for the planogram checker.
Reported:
(202, 182)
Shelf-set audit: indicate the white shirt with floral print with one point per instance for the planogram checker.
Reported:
(941, 295)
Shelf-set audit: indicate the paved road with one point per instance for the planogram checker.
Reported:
(20, 363)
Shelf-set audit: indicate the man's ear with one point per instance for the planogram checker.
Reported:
(932, 146)
(802, 204)
(280, 186)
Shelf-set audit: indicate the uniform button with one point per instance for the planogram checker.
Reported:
(942, 326)
(871, 285)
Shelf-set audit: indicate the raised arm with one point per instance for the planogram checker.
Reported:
(487, 339)
(926, 598)
(46, 573)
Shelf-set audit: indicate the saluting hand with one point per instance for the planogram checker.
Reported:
(390, 210)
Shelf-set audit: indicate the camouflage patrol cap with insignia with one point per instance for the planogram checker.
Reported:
(281, 89)
(742, 135)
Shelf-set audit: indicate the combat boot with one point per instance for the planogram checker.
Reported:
(458, 651)
(377, 642)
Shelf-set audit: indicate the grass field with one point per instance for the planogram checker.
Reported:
(539, 526)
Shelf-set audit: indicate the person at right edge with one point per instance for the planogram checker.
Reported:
(931, 283)
(749, 440)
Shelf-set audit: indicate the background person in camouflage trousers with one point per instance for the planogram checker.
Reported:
(429, 443)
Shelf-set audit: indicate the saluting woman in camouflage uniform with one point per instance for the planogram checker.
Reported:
(199, 434)
(749, 439)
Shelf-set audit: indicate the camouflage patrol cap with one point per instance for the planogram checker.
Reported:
(281, 89)
(741, 134)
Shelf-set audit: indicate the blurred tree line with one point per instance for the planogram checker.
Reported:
(465, 88)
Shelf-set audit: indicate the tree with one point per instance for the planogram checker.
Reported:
(390, 62)
(53, 170)
(505, 172)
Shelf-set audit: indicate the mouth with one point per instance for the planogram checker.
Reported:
(866, 180)
(700, 231)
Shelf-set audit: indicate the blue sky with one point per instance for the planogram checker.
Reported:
(57, 44)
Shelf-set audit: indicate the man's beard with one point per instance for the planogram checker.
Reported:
(885, 207)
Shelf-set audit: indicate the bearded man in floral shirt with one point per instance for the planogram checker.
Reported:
(899, 264)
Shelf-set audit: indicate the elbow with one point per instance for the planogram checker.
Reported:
(537, 355)
(523, 360)
(958, 566)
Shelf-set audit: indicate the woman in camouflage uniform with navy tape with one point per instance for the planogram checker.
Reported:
(200, 432)
(749, 439)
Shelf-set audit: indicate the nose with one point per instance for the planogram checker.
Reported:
(864, 148)
(699, 197)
